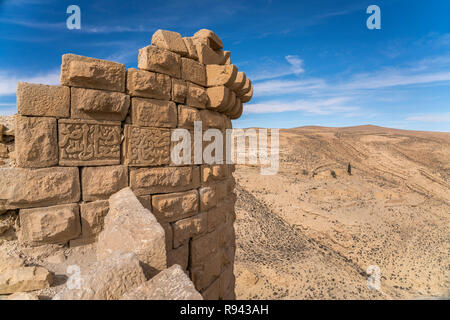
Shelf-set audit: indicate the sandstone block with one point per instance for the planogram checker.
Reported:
(248, 96)
(187, 116)
(237, 110)
(218, 75)
(245, 88)
(170, 284)
(146, 84)
(153, 113)
(101, 182)
(204, 274)
(87, 142)
(226, 57)
(179, 256)
(192, 50)
(175, 206)
(197, 96)
(43, 100)
(213, 38)
(24, 188)
(98, 104)
(239, 82)
(129, 227)
(226, 281)
(56, 224)
(146, 201)
(212, 119)
(164, 180)
(25, 279)
(213, 173)
(156, 59)
(216, 217)
(208, 198)
(36, 142)
(169, 236)
(179, 90)
(146, 146)
(9, 260)
(231, 103)
(188, 228)
(208, 56)
(79, 71)
(92, 217)
(170, 40)
(193, 71)
(213, 291)
(218, 98)
(108, 279)
(203, 246)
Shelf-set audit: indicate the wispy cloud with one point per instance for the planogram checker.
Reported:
(445, 117)
(279, 87)
(8, 80)
(293, 64)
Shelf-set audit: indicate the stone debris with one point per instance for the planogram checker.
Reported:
(23, 279)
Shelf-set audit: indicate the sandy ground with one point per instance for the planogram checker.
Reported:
(312, 230)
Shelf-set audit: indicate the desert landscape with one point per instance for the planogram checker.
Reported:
(312, 230)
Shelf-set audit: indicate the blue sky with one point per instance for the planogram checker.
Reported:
(311, 62)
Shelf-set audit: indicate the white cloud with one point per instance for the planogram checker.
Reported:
(8, 80)
(445, 117)
(271, 70)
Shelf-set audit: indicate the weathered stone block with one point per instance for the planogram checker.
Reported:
(231, 103)
(213, 291)
(237, 110)
(87, 142)
(36, 143)
(203, 246)
(218, 75)
(218, 98)
(213, 38)
(170, 284)
(245, 88)
(193, 71)
(153, 113)
(146, 84)
(197, 96)
(129, 227)
(146, 201)
(188, 228)
(216, 217)
(79, 71)
(164, 180)
(204, 274)
(160, 60)
(239, 82)
(214, 173)
(192, 51)
(247, 97)
(100, 183)
(24, 188)
(57, 224)
(108, 279)
(187, 116)
(98, 104)
(25, 279)
(175, 206)
(92, 217)
(212, 119)
(146, 146)
(226, 281)
(208, 56)
(170, 40)
(43, 100)
(179, 90)
(169, 235)
(208, 198)
(179, 256)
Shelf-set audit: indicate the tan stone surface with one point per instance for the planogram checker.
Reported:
(247, 96)
(208, 198)
(98, 104)
(245, 88)
(108, 279)
(218, 75)
(152, 58)
(170, 284)
(43, 100)
(175, 206)
(56, 224)
(179, 256)
(214, 173)
(24, 188)
(187, 116)
(188, 228)
(129, 227)
(87, 142)
(170, 40)
(153, 113)
(22, 296)
(197, 96)
(192, 50)
(212, 119)
(213, 38)
(101, 182)
(239, 82)
(79, 71)
(237, 110)
(145, 146)
(193, 71)
(146, 201)
(208, 56)
(203, 246)
(169, 235)
(179, 90)
(92, 216)
(204, 273)
(218, 98)
(164, 180)
(24, 279)
(36, 143)
(146, 84)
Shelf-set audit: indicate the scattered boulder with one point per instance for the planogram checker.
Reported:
(170, 284)
(23, 279)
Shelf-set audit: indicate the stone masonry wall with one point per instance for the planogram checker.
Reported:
(105, 128)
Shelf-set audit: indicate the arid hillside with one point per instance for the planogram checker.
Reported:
(312, 230)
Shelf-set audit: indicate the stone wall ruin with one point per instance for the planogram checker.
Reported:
(106, 128)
